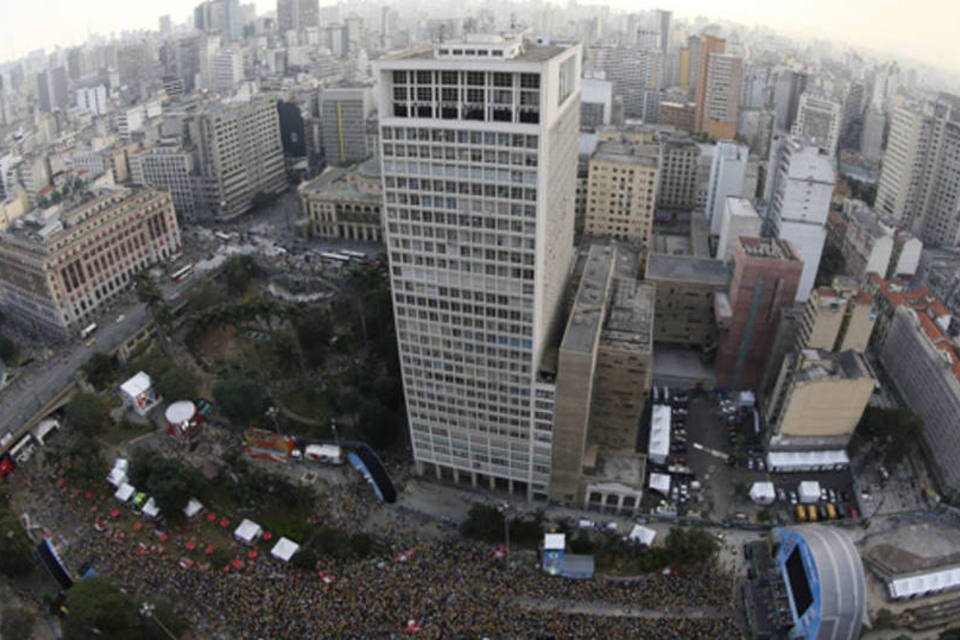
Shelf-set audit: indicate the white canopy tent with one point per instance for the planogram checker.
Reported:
(931, 582)
(116, 477)
(284, 549)
(643, 535)
(660, 482)
(787, 461)
(248, 531)
(763, 493)
(193, 507)
(150, 509)
(554, 541)
(659, 447)
(124, 492)
(809, 491)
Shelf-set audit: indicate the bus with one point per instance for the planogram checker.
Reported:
(220, 235)
(335, 257)
(88, 330)
(354, 255)
(181, 273)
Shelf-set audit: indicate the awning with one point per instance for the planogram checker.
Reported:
(924, 583)
(150, 509)
(248, 531)
(124, 492)
(659, 434)
(809, 491)
(554, 541)
(807, 460)
(193, 507)
(763, 492)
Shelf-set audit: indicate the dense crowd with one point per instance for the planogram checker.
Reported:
(449, 588)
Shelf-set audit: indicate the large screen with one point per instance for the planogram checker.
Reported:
(799, 584)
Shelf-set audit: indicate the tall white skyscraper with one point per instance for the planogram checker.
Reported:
(479, 151)
(802, 186)
(727, 173)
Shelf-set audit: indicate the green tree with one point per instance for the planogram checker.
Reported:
(177, 383)
(100, 370)
(691, 545)
(380, 426)
(314, 330)
(17, 623)
(885, 619)
(831, 264)
(98, 609)
(239, 272)
(170, 482)
(16, 558)
(169, 622)
(84, 460)
(8, 349)
(483, 523)
(894, 430)
(88, 413)
(148, 292)
(240, 399)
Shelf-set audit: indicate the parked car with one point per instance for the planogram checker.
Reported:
(793, 497)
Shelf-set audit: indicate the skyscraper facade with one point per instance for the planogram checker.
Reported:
(818, 122)
(479, 147)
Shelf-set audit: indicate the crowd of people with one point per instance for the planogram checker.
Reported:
(447, 587)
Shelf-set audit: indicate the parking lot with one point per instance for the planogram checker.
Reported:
(715, 458)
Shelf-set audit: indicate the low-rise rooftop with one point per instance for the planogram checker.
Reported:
(689, 269)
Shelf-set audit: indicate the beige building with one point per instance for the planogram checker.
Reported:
(13, 207)
(685, 289)
(61, 265)
(837, 318)
(344, 202)
(717, 108)
(818, 399)
(622, 191)
(604, 371)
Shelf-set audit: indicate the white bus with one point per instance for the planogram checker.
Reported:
(181, 273)
(335, 257)
(88, 330)
(354, 255)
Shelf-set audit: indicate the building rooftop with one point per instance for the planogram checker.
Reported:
(625, 152)
(688, 269)
(740, 207)
(914, 548)
(583, 328)
(817, 364)
(772, 248)
(899, 292)
(514, 47)
(336, 182)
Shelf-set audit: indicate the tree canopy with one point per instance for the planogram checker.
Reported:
(239, 271)
(98, 609)
(88, 413)
(171, 483)
(893, 430)
(240, 399)
(100, 370)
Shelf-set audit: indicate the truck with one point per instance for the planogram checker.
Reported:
(326, 453)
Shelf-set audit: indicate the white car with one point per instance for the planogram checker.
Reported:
(793, 498)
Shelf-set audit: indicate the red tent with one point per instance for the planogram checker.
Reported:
(137, 526)
(237, 563)
(224, 523)
(211, 517)
(209, 550)
(191, 545)
(267, 535)
(252, 554)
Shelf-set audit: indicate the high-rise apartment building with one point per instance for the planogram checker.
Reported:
(737, 218)
(679, 157)
(801, 188)
(344, 112)
(727, 173)
(297, 15)
(226, 70)
(632, 72)
(788, 88)
(818, 122)
(766, 273)
(219, 16)
(920, 181)
(240, 155)
(837, 318)
(57, 271)
(52, 89)
(170, 168)
(718, 90)
(621, 191)
(479, 149)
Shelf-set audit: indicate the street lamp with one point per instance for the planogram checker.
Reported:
(146, 610)
(333, 427)
(272, 413)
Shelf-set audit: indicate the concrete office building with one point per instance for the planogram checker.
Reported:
(344, 113)
(297, 15)
(52, 89)
(802, 183)
(766, 274)
(596, 103)
(788, 88)
(739, 218)
(479, 259)
(632, 72)
(718, 97)
(604, 370)
(706, 45)
(818, 122)
(58, 268)
(837, 318)
(93, 99)
(226, 70)
(727, 173)
(622, 190)
(873, 244)
(219, 16)
(679, 159)
(818, 399)
(755, 128)
(920, 180)
(677, 114)
(923, 364)
(685, 291)
(240, 155)
(344, 202)
(169, 168)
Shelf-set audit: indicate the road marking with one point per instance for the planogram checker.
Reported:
(713, 452)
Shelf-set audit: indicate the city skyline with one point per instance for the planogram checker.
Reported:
(894, 27)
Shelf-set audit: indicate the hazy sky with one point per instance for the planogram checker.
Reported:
(922, 29)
